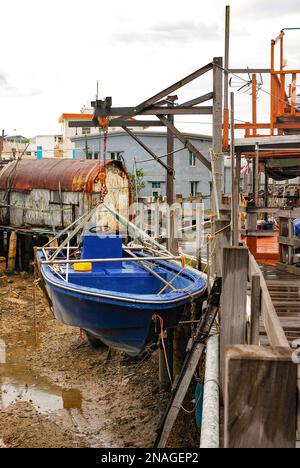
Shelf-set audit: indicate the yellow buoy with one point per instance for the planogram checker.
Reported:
(83, 266)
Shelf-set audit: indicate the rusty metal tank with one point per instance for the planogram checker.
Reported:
(51, 193)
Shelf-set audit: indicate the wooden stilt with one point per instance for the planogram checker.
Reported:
(12, 251)
(166, 361)
(2, 247)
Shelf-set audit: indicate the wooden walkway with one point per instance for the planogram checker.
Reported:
(284, 289)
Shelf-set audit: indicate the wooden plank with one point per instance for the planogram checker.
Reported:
(235, 215)
(289, 268)
(255, 309)
(264, 413)
(293, 241)
(234, 300)
(256, 233)
(218, 129)
(271, 321)
(222, 240)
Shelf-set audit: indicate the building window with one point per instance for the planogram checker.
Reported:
(192, 159)
(86, 131)
(194, 188)
(116, 155)
(96, 155)
(89, 156)
(156, 185)
(155, 195)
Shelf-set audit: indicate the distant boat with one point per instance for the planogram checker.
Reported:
(113, 292)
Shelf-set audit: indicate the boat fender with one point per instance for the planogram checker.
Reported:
(87, 266)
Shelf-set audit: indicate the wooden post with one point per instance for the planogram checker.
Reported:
(298, 406)
(260, 398)
(12, 251)
(2, 249)
(2, 143)
(166, 361)
(255, 309)
(222, 240)
(182, 334)
(172, 237)
(266, 192)
(27, 254)
(217, 127)
(234, 300)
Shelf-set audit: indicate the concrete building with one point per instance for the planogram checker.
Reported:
(68, 133)
(44, 146)
(14, 147)
(191, 177)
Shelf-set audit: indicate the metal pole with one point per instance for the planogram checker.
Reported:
(226, 80)
(226, 58)
(256, 177)
(210, 432)
(234, 181)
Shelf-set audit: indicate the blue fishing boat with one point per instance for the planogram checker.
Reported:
(113, 292)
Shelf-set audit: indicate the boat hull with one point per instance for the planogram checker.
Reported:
(119, 325)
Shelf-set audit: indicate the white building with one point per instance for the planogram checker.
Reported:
(68, 147)
(45, 146)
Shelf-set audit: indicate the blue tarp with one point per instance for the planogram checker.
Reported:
(297, 226)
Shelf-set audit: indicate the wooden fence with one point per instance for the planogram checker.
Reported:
(258, 382)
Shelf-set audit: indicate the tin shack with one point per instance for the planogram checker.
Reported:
(41, 197)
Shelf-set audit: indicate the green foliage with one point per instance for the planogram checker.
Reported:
(137, 181)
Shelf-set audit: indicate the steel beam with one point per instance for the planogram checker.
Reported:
(179, 110)
(199, 100)
(186, 142)
(145, 147)
(179, 84)
(244, 71)
(117, 123)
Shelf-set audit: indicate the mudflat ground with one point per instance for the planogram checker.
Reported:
(56, 391)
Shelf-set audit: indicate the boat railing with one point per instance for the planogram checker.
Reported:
(108, 260)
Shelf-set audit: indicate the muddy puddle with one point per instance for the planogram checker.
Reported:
(18, 383)
(56, 391)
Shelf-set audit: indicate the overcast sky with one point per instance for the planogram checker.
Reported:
(53, 52)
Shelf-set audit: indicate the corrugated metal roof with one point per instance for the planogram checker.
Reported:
(51, 174)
